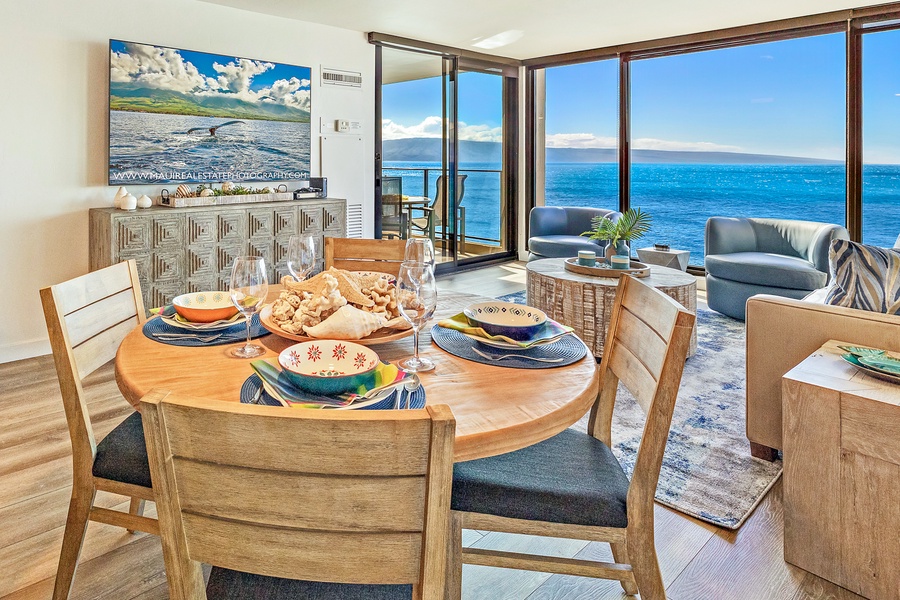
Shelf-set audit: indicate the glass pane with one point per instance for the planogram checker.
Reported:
(581, 119)
(483, 209)
(412, 116)
(754, 131)
(881, 138)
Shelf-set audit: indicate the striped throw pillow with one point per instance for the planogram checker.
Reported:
(864, 277)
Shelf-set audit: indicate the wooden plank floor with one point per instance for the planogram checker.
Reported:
(698, 560)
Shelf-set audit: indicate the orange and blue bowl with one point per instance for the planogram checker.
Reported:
(205, 307)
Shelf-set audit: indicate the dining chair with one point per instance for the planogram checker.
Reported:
(87, 318)
(433, 215)
(354, 254)
(571, 485)
(289, 504)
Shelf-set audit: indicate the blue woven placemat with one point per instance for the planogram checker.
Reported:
(569, 348)
(253, 383)
(235, 333)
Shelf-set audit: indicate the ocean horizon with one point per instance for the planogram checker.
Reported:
(680, 197)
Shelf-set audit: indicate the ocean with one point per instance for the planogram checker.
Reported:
(681, 197)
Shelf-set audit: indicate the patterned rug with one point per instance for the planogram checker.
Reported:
(707, 470)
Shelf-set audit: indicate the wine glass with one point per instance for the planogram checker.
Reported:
(249, 287)
(420, 250)
(416, 299)
(302, 255)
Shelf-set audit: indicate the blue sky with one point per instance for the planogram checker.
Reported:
(783, 97)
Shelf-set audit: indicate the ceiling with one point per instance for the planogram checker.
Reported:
(535, 28)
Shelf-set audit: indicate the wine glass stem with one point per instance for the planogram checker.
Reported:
(416, 343)
(247, 345)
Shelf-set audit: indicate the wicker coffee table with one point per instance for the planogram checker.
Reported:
(585, 302)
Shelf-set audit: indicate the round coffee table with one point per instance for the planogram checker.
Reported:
(585, 302)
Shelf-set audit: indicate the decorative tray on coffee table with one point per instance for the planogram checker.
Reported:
(638, 269)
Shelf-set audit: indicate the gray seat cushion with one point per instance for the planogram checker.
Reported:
(122, 455)
(225, 584)
(570, 478)
(562, 246)
(763, 268)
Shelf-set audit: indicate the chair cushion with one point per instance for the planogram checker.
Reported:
(562, 246)
(762, 268)
(122, 454)
(571, 478)
(225, 584)
(864, 277)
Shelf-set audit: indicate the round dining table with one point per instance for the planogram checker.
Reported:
(497, 409)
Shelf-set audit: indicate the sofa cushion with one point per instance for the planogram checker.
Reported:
(763, 268)
(562, 246)
(865, 277)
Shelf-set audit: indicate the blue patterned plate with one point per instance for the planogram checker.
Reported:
(861, 351)
(885, 364)
(855, 361)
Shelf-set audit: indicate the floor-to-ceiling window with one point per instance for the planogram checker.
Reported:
(580, 145)
(881, 137)
(753, 131)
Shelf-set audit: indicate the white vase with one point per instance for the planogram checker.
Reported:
(129, 202)
(117, 199)
(144, 201)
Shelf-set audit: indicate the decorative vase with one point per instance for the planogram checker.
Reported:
(622, 248)
(144, 201)
(129, 202)
(120, 193)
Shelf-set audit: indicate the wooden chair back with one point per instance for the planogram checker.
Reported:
(340, 496)
(352, 254)
(646, 345)
(87, 318)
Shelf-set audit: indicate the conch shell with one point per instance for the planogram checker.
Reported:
(206, 192)
(183, 191)
(347, 323)
(227, 186)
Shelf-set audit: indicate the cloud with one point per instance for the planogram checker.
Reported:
(579, 140)
(655, 144)
(430, 127)
(761, 100)
(767, 57)
(166, 68)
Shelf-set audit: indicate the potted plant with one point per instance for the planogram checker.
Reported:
(631, 226)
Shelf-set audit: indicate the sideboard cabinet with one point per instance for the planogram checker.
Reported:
(181, 250)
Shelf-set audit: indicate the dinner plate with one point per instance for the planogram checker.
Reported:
(253, 384)
(191, 326)
(382, 336)
(855, 361)
(515, 347)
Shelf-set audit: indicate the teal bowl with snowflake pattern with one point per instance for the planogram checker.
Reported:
(328, 367)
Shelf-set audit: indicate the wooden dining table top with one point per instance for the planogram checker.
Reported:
(497, 409)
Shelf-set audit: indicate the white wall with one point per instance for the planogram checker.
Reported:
(53, 123)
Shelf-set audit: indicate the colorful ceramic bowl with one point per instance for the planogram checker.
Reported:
(515, 321)
(328, 366)
(205, 307)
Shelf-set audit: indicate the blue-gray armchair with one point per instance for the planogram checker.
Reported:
(765, 256)
(556, 231)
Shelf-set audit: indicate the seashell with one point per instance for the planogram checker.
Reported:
(347, 323)
(227, 186)
(129, 202)
(183, 191)
(204, 193)
(265, 190)
(144, 201)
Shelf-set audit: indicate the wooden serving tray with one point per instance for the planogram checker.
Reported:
(638, 269)
(380, 336)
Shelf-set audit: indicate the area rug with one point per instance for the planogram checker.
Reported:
(707, 470)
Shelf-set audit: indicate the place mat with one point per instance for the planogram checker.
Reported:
(253, 384)
(235, 333)
(569, 348)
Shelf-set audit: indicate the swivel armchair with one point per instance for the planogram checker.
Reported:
(556, 231)
(765, 256)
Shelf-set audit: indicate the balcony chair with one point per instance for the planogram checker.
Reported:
(764, 256)
(87, 318)
(353, 254)
(288, 504)
(571, 485)
(394, 219)
(433, 215)
(556, 231)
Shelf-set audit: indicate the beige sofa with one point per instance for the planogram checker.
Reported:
(781, 332)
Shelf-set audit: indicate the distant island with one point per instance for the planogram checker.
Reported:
(429, 150)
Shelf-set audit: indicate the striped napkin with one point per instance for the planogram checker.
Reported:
(386, 376)
(549, 332)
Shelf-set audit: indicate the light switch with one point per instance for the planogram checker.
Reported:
(342, 125)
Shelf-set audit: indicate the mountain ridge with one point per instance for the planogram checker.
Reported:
(429, 150)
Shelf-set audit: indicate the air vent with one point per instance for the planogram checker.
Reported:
(342, 78)
(354, 221)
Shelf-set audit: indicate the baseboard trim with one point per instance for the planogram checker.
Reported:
(23, 350)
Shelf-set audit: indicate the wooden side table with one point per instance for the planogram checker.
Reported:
(674, 259)
(842, 474)
(585, 302)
